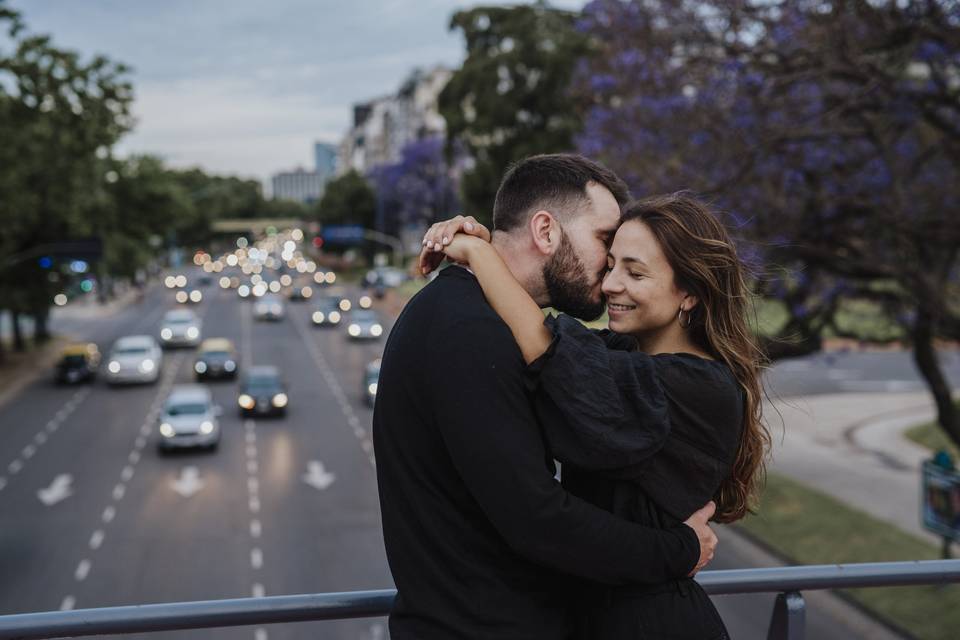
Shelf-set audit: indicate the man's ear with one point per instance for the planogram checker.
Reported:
(545, 232)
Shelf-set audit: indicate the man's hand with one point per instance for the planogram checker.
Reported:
(441, 234)
(706, 536)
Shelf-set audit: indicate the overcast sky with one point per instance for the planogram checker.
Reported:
(246, 86)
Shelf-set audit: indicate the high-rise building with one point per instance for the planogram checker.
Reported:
(325, 159)
(298, 185)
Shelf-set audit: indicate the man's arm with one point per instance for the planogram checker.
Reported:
(490, 430)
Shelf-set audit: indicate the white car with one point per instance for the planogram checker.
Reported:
(189, 419)
(134, 359)
(269, 307)
(180, 328)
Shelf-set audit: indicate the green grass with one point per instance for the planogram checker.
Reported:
(812, 528)
(931, 436)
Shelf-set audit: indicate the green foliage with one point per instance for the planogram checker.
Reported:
(812, 528)
(348, 199)
(931, 436)
(509, 99)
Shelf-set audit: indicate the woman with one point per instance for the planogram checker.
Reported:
(656, 416)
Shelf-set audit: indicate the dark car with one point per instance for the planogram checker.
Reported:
(78, 363)
(327, 312)
(262, 392)
(216, 358)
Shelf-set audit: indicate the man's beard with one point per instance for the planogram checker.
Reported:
(567, 284)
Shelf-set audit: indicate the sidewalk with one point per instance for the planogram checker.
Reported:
(851, 447)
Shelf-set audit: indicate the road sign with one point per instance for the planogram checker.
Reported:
(941, 500)
(343, 233)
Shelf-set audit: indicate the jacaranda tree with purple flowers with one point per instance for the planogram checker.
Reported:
(829, 133)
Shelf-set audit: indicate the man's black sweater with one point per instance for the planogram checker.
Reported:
(479, 535)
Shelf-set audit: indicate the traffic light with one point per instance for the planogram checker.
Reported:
(318, 242)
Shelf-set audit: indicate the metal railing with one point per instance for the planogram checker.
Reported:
(787, 621)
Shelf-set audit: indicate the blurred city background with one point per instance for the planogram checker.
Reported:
(209, 213)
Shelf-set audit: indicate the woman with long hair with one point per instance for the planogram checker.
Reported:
(658, 414)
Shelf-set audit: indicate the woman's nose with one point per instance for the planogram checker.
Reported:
(611, 283)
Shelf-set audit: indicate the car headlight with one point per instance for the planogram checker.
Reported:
(229, 365)
(196, 296)
(166, 334)
(306, 292)
(182, 297)
(200, 367)
(334, 317)
(166, 430)
(193, 332)
(345, 305)
(113, 367)
(372, 388)
(243, 291)
(365, 302)
(354, 330)
(376, 330)
(245, 401)
(206, 427)
(279, 400)
(318, 317)
(147, 366)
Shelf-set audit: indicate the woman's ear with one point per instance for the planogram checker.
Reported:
(689, 301)
(545, 232)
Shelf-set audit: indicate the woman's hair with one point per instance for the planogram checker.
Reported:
(705, 264)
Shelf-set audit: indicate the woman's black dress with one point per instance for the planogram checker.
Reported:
(649, 438)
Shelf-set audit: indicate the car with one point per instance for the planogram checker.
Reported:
(269, 307)
(301, 293)
(216, 358)
(189, 419)
(78, 363)
(371, 376)
(389, 277)
(364, 324)
(326, 312)
(180, 328)
(134, 359)
(262, 392)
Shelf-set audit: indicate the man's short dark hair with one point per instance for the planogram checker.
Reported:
(554, 182)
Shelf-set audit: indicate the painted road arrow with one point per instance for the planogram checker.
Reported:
(317, 477)
(58, 490)
(188, 483)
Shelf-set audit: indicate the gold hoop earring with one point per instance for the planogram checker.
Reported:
(684, 325)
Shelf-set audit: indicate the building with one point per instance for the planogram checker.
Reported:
(383, 126)
(298, 185)
(325, 159)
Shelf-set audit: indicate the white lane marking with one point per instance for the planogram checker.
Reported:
(83, 569)
(256, 558)
(141, 442)
(145, 430)
(14, 467)
(108, 514)
(255, 529)
(134, 457)
(254, 505)
(68, 603)
(52, 426)
(189, 482)
(318, 477)
(118, 492)
(3, 483)
(58, 490)
(258, 590)
(253, 486)
(366, 445)
(251, 451)
(251, 437)
(96, 539)
(376, 632)
(260, 634)
(40, 438)
(249, 425)
(61, 415)
(126, 474)
(252, 466)
(28, 451)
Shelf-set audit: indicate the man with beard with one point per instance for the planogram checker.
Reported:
(480, 536)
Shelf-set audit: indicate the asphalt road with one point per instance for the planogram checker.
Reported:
(129, 526)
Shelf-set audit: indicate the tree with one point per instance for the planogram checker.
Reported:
(830, 132)
(509, 99)
(348, 199)
(416, 191)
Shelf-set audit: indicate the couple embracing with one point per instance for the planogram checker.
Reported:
(655, 421)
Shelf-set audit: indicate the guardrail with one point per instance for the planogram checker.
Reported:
(787, 620)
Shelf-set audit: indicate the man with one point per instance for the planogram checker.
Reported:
(480, 537)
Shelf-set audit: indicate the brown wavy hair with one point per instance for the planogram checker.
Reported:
(705, 264)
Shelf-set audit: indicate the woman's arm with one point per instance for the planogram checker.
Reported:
(504, 293)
